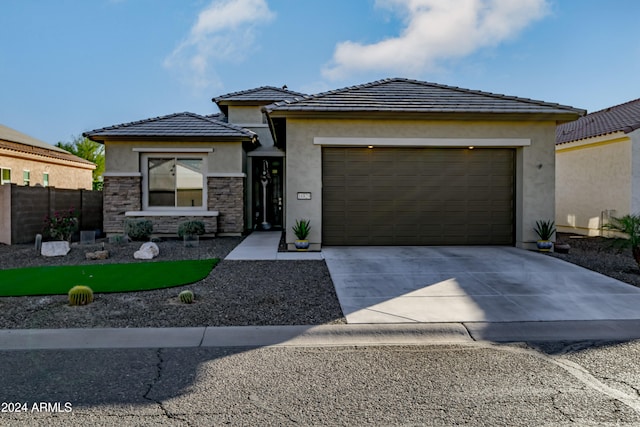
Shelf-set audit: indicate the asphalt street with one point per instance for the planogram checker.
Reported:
(477, 383)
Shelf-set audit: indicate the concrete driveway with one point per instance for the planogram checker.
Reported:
(471, 284)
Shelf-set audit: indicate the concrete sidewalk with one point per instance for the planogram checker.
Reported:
(318, 336)
(263, 245)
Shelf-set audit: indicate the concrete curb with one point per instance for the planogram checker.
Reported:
(319, 336)
(233, 336)
(566, 330)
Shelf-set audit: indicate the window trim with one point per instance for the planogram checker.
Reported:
(45, 179)
(26, 177)
(2, 180)
(144, 168)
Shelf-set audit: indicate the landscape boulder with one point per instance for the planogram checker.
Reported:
(148, 250)
(97, 255)
(56, 248)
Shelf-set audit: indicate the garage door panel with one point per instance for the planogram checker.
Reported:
(418, 196)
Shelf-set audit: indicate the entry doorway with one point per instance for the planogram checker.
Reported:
(267, 191)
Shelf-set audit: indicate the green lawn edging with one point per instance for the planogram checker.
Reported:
(137, 276)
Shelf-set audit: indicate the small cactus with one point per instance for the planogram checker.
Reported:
(186, 297)
(80, 295)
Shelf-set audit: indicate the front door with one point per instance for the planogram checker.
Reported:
(267, 192)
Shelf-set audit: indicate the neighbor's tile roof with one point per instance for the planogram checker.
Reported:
(174, 125)
(405, 95)
(263, 93)
(11, 139)
(619, 118)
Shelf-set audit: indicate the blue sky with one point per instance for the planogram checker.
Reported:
(68, 66)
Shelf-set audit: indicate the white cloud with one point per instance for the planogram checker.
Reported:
(225, 32)
(435, 30)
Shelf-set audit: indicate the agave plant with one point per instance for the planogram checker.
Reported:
(629, 225)
(545, 229)
(302, 228)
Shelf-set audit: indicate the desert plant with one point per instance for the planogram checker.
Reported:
(629, 225)
(194, 227)
(186, 297)
(80, 295)
(138, 229)
(302, 228)
(61, 225)
(545, 229)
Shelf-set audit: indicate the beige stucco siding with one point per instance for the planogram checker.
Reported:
(591, 177)
(124, 156)
(245, 114)
(62, 173)
(535, 164)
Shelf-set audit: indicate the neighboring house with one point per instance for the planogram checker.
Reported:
(173, 168)
(598, 168)
(392, 162)
(27, 161)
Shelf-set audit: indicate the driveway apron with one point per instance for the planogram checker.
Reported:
(471, 284)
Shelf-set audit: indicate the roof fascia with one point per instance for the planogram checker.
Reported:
(169, 139)
(401, 115)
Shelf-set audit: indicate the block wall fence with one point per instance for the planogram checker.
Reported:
(23, 210)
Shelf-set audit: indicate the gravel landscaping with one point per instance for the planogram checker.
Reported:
(598, 254)
(236, 293)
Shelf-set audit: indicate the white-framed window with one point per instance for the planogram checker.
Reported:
(174, 181)
(26, 177)
(45, 179)
(5, 176)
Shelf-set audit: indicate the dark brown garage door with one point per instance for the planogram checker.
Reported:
(417, 196)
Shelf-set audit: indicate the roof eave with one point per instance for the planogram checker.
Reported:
(559, 117)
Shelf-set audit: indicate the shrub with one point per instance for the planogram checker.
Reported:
(630, 226)
(80, 295)
(61, 225)
(138, 229)
(191, 227)
(186, 297)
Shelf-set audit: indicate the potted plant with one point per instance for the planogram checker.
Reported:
(545, 229)
(190, 231)
(301, 229)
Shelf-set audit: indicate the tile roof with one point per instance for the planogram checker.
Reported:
(11, 139)
(263, 93)
(173, 125)
(405, 95)
(619, 118)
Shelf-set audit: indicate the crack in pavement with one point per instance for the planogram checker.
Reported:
(578, 372)
(153, 382)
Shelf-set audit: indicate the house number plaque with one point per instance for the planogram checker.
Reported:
(304, 196)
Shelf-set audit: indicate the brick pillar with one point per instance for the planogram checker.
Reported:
(226, 195)
(120, 194)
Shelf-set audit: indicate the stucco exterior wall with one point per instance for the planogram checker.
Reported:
(593, 176)
(62, 174)
(245, 114)
(124, 157)
(535, 173)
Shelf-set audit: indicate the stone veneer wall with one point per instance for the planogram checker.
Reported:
(169, 224)
(226, 195)
(121, 194)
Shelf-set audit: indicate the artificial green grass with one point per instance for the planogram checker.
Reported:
(103, 277)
